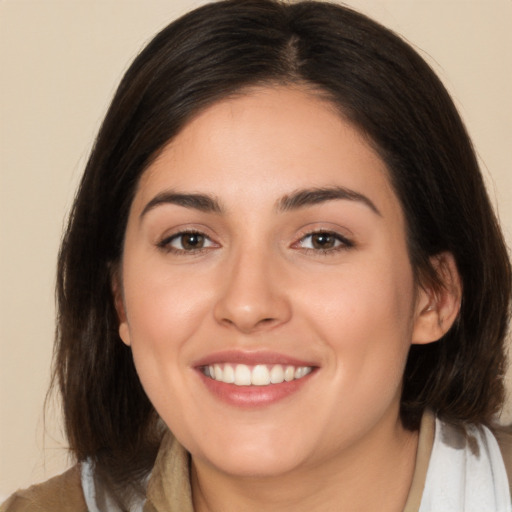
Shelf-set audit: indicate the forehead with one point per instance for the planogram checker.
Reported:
(264, 144)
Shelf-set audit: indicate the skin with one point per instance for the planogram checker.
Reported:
(261, 282)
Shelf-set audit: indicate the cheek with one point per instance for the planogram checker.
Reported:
(164, 312)
(365, 316)
(162, 319)
(163, 307)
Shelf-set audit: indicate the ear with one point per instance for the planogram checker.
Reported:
(117, 293)
(437, 306)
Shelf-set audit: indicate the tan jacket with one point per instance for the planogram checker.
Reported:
(169, 486)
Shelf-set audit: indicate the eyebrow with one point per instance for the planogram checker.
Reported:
(295, 201)
(201, 202)
(309, 197)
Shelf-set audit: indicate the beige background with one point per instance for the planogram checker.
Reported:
(60, 62)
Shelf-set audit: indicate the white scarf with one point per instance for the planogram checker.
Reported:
(466, 472)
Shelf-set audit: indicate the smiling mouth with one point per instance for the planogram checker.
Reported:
(257, 375)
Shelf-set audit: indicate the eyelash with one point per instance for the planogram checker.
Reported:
(165, 244)
(341, 243)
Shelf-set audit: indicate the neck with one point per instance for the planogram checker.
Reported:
(375, 474)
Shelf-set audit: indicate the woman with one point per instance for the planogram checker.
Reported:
(282, 252)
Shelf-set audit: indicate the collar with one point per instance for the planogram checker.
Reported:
(169, 486)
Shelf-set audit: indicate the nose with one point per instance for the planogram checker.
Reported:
(253, 294)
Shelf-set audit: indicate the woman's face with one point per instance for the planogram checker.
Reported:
(267, 292)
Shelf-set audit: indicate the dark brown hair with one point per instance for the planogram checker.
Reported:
(378, 83)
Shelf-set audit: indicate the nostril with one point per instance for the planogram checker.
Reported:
(250, 326)
(265, 323)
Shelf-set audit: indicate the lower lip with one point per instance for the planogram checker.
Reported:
(253, 396)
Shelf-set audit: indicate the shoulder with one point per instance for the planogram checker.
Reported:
(59, 494)
(504, 438)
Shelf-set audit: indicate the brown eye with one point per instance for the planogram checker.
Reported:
(323, 241)
(191, 241)
(187, 241)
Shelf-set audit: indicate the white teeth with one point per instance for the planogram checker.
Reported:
(229, 374)
(277, 374)
(242, 375)
(289, 373)
(259, 375)
(302, 371)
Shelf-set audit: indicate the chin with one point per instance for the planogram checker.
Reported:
(253, 458)
(255, 465)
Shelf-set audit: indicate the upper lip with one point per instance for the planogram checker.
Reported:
(251, 358)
